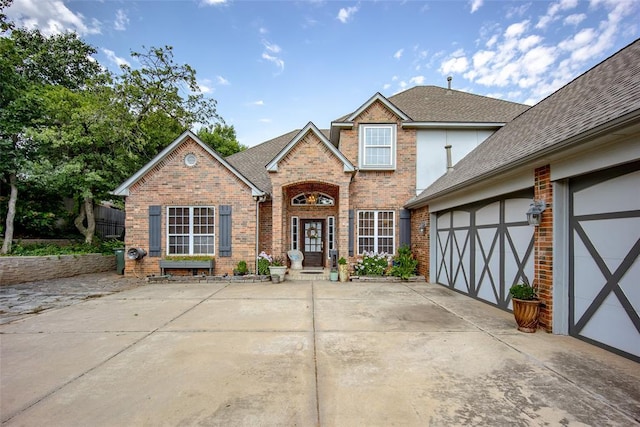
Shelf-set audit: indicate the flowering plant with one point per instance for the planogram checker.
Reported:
(373, 264)
(264, 261)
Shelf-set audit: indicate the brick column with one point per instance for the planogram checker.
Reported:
(543, 240)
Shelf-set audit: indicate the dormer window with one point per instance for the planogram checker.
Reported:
(377, 147)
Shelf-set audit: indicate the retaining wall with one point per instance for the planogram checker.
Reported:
(22, 269)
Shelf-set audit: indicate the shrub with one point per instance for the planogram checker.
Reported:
(372, 264)
(522, 291)
(404, 263)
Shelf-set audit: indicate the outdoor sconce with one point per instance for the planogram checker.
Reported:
(136, 254)
(423, 227)
(534, 214)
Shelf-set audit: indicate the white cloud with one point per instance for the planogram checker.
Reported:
(213, 2)
(553, 10)
(258, 103)
(346, 14)
(205, 86)
(277, 61)
(222, 81)
(111, 56)
(270, 54)
(475, 5)
(122, 20)
(457, 62)
(398, 54)
(514, 30)
(50, 17)
(417, 80)
(575, 19)
(273, 48)
(265, 120)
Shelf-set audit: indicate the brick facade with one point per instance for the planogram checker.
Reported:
(172, 183)
(543, 241)
(420, 243)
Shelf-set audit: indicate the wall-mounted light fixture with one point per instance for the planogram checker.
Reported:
(534, 214)
(423, 228)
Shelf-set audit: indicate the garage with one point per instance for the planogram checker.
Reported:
(484, 248)
(604, 265)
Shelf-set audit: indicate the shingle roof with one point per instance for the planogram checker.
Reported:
(253, 161)
(608, 91)
(437, 104)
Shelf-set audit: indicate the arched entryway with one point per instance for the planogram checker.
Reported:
(311, 209)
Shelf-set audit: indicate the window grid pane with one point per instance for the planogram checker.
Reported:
(376, 232)
(377, 146)
(191, 230)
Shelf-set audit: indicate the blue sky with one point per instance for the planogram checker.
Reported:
(273, 66)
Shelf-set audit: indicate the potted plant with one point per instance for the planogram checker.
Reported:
(277, 267)
(526, 306)
(241, 269)
(343, 269)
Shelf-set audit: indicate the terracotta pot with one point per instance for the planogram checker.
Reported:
(526, 313)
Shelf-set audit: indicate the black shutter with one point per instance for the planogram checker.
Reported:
(405, 227)
(225, 231)
(155, 231)
(351, 231)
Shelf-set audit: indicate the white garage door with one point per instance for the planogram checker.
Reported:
(483, 249)
(604, 270)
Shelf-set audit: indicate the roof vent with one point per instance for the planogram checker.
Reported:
(449, 82)
(449, 164)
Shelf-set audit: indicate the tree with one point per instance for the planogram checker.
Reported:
(221, 138)
(28, 63)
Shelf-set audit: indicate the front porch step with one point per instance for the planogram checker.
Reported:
(308, 274)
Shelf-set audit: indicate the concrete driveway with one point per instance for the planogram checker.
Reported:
(302, 354)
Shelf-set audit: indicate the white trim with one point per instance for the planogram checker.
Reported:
(375, 235)
(190, 234)
(452, 125)
(331, 233)
(310, 127)
(123, 189)
(383, 100)
(560, 258)
(362, 151)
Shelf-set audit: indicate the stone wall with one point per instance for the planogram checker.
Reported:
(21, 269)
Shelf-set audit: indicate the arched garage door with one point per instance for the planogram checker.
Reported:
(482, 249)
(604, 262)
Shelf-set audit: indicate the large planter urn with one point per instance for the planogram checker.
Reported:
(343, 272)
(279, 270)
(526, 313)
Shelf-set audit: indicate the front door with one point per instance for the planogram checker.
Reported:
(312, 242)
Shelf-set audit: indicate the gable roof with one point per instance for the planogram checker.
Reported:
(604, 98)
(123, 189)
(437, 104)
(252, 162)
(310, 127)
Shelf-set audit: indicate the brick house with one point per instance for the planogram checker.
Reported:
(311, 190)
(450, 173)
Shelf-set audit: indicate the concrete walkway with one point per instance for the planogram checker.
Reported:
(302, 354)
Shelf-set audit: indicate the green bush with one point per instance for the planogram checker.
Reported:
(404, 263)
(522, 291)
(76, 248)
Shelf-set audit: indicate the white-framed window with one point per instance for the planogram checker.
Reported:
(376, 232)
(191, 230)
(331, 233)
(377, 147)
(295, 230)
